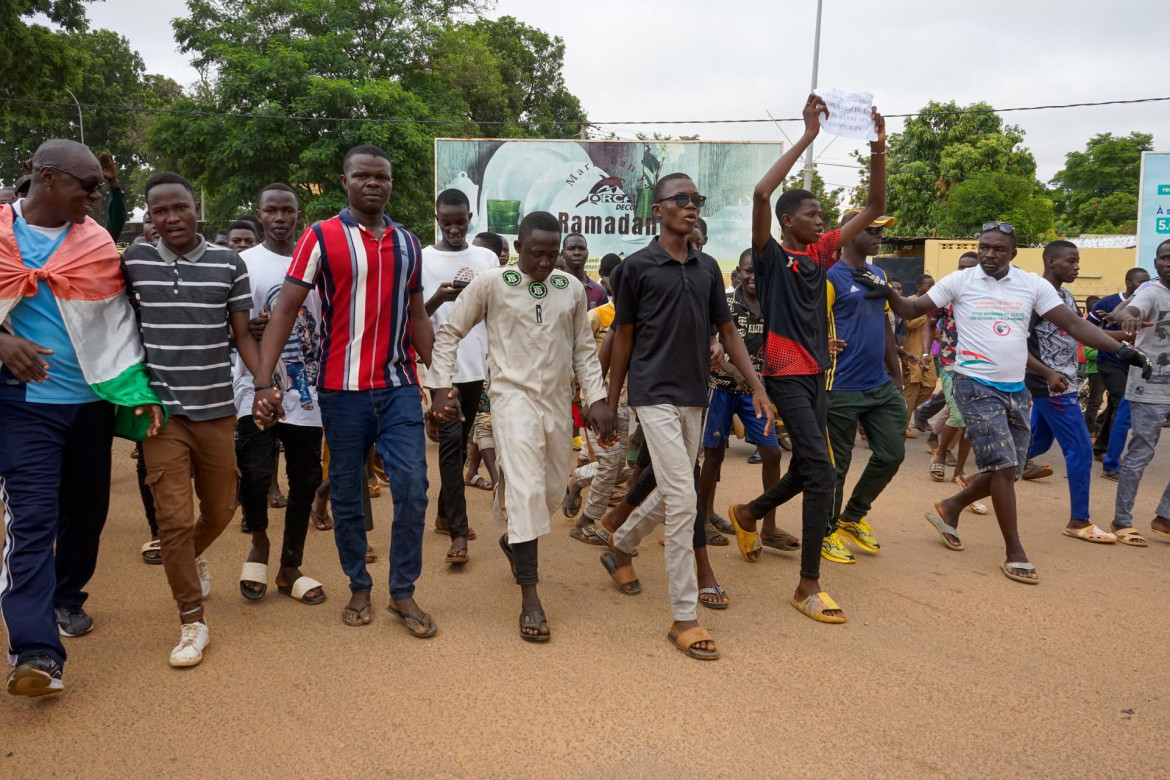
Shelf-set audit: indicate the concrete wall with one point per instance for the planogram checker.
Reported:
(1102, 270)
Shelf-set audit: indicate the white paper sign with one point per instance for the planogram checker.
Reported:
(849, 114)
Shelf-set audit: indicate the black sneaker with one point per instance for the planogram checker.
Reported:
(72, 621)
(754, 459)
(36, 675)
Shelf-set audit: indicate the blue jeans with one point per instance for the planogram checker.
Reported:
(54, 489)
(1117, 437)
(390, 418)
(1060, 418)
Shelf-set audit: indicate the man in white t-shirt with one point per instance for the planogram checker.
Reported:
(447, 268)
(300, 429)
(993, 304)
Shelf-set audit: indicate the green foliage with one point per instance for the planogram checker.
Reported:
(432, 60)
(943, 167)
(1097, 190)
(830, 199)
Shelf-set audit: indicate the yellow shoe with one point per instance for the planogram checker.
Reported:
(578, 443)
(833, 549)
(862, 535)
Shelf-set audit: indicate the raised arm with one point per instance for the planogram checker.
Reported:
(875, 199)
(774, 178)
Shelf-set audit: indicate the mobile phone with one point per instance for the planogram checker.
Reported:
(459, 284)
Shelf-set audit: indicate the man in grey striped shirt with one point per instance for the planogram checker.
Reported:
(188, 294)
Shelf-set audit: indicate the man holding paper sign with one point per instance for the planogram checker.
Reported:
(790, 282)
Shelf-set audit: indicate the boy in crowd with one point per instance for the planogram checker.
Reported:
(863, 389)
(576, 253)
(1148, 316)
(299, 431)
(670, 299)
(993, 305)
(790, 277)
(242, 235)
(70, 360)
(447, 269)
(193, 300)
(496, 243)
(1052, 380)
(529, 311)
(366, 268)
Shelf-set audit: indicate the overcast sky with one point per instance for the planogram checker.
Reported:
(739, 59)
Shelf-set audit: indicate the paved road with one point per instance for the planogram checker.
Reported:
(945, 668)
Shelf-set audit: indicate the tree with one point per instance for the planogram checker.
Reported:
(943, 146)
(1097, 190)
(830, 199)
(398, 72)
(997, 197)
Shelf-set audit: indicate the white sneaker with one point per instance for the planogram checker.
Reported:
(193, 640)
(204, 575)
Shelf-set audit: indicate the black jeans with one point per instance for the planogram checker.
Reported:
(525, 555)
(302, 458)
(1114, 376)
(145, 494)
(1093, 405)
(452, 455)
(801, 402)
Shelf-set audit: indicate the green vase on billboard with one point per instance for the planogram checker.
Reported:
(644, 208)
(503, 216)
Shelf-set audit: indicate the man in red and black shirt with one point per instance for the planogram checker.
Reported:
(790, 277)
(367, 270)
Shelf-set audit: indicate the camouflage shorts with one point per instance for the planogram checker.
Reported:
(998, 424)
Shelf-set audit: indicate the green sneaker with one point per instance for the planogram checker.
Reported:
(861, 533)
(833, 549)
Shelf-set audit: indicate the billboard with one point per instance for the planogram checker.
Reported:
(603, 189)
(1153, 206)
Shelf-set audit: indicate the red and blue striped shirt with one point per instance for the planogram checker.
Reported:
(365, 284)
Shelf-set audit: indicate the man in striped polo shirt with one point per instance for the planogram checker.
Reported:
(367, 270)
(188, 293)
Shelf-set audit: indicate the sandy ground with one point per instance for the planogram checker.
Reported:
(945, 668)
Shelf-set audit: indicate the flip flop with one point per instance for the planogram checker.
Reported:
(256, 573)
(816, 605)
(1156, 532)
(533, 620)
(277, 502)
(362, 616)
(623, 576)
(429, 628)
(588, 535)
(1131, 537)
(1011, 567)
(749, 543)
(458, 558)
(935, 518)
(938, 472)
(479, 482)
(716, 591)
(152, 552)
(1091, 533)
(321, 522)
(302, 586)
(781, 540)
(1033, 471)
(690, 637)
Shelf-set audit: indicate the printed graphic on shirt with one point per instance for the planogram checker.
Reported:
(301, 355)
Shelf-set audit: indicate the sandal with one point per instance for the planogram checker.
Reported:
(938, 472)
(254, 573)
(152, 552)
(687, 640)
(588, 535)
(1091, 533)
(1130, 536)
(533, 620)
(935, 518)
(479, 482)
(571, 503)
(978, 507)
(720, 524)
(278, 501)
(623, 576)
(1012, 569)
(375, 491)
(816, 605)
(300, 590)
(749, 542)
(780, 540)
(605, 535)
(371, 556)
(429, 626)
(361, 617)
(459, 557)
(718, 593)
(716, 539)
(322, 522)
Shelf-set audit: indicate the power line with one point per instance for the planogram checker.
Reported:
(559, 122)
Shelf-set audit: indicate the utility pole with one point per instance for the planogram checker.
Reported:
(80, 121)
(808, 157)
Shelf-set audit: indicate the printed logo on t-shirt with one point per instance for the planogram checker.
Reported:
(301, 356)
(559, 282)
(511, 278)
(1001, 328)
(970, 358)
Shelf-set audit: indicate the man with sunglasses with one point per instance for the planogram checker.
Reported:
(669, 300)
(993, 304)
(790, 277)
(69, 359)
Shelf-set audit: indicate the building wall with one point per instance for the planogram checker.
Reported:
(1102, 270)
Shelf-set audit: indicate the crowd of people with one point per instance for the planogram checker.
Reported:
(343, 347)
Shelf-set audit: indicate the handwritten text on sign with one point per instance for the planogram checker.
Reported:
(849, 114)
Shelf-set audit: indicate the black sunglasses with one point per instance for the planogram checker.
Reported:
(1002, 227)
(89, 187)
(682, 200)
